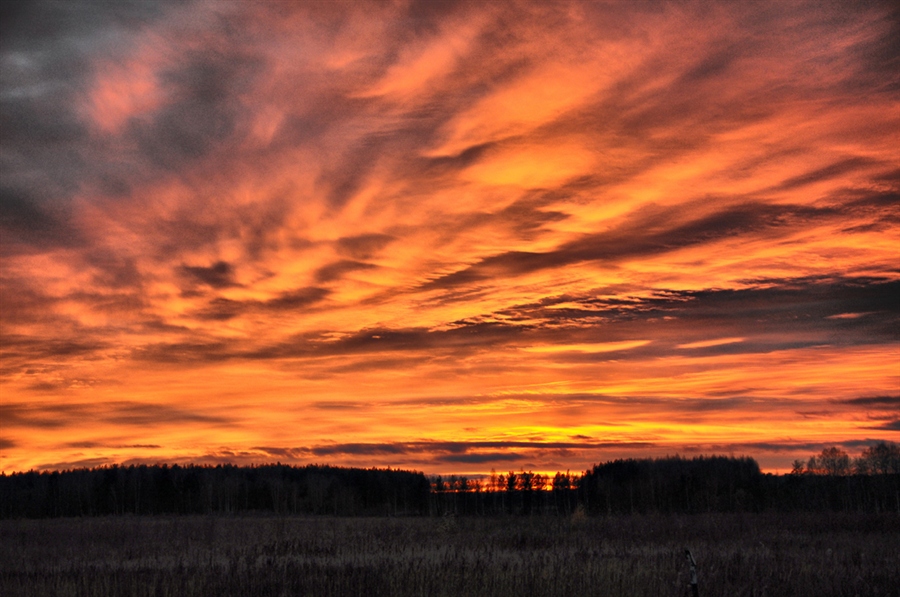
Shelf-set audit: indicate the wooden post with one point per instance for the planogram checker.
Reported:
(695, 592)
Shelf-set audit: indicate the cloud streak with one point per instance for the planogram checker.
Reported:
(445, 235)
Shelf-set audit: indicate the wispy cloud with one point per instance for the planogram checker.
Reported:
(408, 224)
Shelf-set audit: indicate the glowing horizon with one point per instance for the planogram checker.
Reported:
(446, 236)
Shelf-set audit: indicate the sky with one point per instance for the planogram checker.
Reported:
(447, 236)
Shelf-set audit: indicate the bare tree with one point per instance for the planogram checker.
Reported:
(880, 459)
(834, 461)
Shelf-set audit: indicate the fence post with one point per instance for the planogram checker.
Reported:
(695, 592)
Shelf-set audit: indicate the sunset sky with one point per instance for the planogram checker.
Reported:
(447, 236)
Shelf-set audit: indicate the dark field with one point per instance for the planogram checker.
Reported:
(737, 554)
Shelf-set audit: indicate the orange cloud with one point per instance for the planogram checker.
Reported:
(447, 236)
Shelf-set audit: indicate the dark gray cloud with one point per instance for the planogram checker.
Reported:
(712, 66)
(526, 218)
(32, 416)
(874, 401)
(339, 405)
(223, 309)
(454, 163)
(292, 453)
(364, 246)
(61, 415)
(217, 275)
(374, 364)
(33, 23)
(879, 54)
(114, 271)
(812, 303)
(438, 453)
(202, 113)
(43, 157)
(47, 386)
(481, 458)
(773, 315)
(416, 339)
(387, 340)
(786, 446)
(361, 449)
(336, 270)
(651, 231)
(138, 414)
(833, 311)
(90, 444)
(185, 353)
(77, 463)
(43, 348)
(46, 52)
(458, 451)
(28, 225)
(28, 304)
(852, 164)
(296, 299)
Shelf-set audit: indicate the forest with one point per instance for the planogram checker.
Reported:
(829, 481)
(620, 528)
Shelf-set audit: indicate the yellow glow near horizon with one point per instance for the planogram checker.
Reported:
(481, 237)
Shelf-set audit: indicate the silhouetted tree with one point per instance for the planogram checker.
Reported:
(834, 461)
(164, 489)
(880, 459)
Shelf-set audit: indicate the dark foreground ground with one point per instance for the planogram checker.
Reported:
(736, 554)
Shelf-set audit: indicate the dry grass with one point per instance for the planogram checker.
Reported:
(814, 555)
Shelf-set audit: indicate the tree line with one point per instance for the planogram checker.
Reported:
(829, 481)
(880, 459)
(221, 489)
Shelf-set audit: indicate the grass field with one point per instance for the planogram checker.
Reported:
(737, 554)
